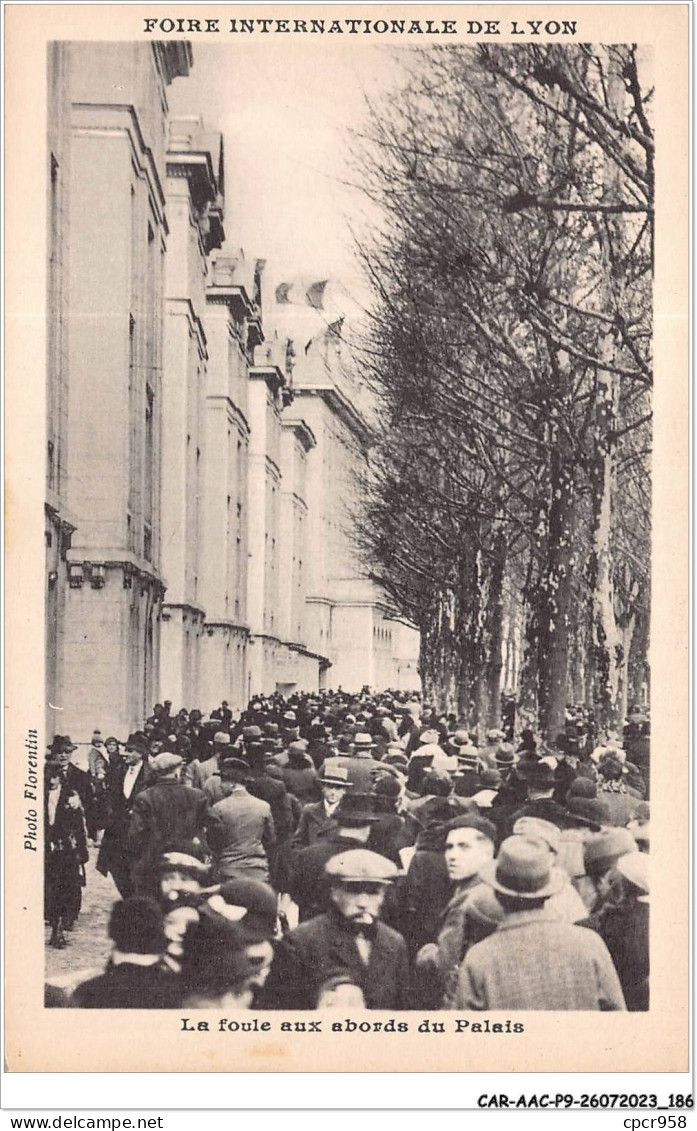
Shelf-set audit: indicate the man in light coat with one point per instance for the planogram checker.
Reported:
(534, 961)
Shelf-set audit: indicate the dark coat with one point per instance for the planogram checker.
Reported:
(300, 778)
(65, 856)
(424, 892)
(128, 987)
(307, 884)
(164, 815)
(313, 951)
(466, 783)
(626, 936)
(314, 823)
(114, 855)
(387, 837)
(73, 778)
(276, 796)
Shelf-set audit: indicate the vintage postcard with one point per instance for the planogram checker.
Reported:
(346, 716)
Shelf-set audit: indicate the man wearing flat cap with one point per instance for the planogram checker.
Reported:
(165, 815)
(533, 960)
(348, 937)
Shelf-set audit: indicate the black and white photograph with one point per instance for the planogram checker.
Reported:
(349, 657)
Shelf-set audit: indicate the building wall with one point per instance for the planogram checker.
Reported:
(225, 509)
(59, 524)
(112, 232)
(191, 187)
(264, 488)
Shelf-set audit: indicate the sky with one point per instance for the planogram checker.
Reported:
(286, 114)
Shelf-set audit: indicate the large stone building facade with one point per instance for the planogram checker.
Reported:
(199, 464)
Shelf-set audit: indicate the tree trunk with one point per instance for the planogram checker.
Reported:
(494, 667)
(556, 596)
(605, 634)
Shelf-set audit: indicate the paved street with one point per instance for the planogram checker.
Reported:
(88, 945)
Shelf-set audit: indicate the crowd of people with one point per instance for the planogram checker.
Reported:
(359, 851)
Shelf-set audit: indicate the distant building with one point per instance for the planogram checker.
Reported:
(348, 620)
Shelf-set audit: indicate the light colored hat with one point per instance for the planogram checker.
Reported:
(166, 764)
(603, 850)
(482, 906)
(539, 829)
(183, 862)
(363, 741)
(359, 865)
(221, 738)
(429, 750)
(634, 866)
(335, 775)
(428, 737)
(523, 869)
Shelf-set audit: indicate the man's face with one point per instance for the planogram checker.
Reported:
(131, 756)
(359, 904)
(63, 757)
(466, 851)
(155, 747)
(332, 794)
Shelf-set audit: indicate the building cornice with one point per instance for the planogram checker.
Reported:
(341, 406)
(232, 625)
(273, 376)
(185, 606)
(235, 298)
(301, 429)
(174, 58)
(89, 564)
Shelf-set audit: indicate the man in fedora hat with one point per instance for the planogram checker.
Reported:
(534, 961)
(540, 780)
(197, 773)
(240, 827)
(354, 819)
(348, 936)
(127, 779)
(359, 762)
(319, 817)
(259, 783)
(165, 814)
(62, 750)
(298, 774)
